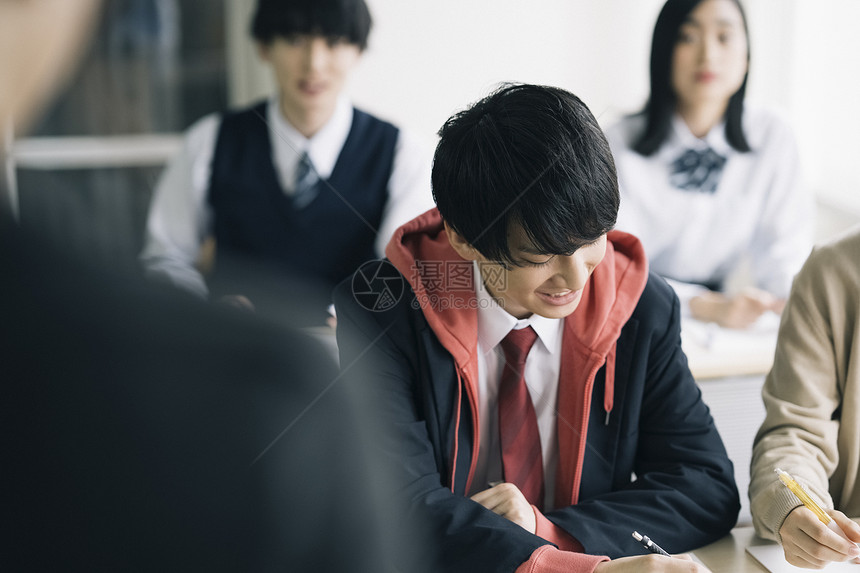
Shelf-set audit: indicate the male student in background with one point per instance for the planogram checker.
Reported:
(302, 182)
(548, 459)
(146, 432)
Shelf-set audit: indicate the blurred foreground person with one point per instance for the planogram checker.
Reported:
(143, 431)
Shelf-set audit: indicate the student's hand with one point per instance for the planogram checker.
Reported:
(808, 543)
(739, 311)
(651, 564)
(507, 500)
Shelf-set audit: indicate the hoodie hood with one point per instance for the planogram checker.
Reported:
(423, 244)
(590, 332)
(608, 299)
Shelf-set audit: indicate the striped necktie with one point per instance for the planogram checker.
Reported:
(522, 461)
(307, 183)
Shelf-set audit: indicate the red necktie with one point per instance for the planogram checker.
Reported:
(522, 462)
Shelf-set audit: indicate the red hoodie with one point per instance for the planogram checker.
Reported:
(589, 339)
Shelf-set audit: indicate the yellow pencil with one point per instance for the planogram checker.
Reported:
(807, 501)
(803, 496)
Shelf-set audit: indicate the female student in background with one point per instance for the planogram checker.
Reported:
(709, 184)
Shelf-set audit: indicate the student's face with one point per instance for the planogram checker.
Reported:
(310, 70)
(710, 57)
(547, 285)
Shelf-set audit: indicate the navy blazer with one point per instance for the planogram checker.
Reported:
(658, 466)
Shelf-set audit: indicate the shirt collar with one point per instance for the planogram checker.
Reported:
(323, 148)
(494, 322)
(715, 138)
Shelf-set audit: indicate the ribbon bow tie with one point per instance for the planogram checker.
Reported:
(697, 170)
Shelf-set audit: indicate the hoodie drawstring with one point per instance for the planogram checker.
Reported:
(609, 383)
(456, 429)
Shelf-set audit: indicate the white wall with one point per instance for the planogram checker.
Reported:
(826, 98)
(430, 58)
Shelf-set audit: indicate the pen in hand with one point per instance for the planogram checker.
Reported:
(648, 544)
(807, 501)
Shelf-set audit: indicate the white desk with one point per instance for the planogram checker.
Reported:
(714, 352)
(730, 367)
(728, 555)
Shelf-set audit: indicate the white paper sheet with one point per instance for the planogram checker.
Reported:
(772, 558)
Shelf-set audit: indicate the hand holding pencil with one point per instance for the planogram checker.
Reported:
(658, 562)
(813, 537)
(653, 563)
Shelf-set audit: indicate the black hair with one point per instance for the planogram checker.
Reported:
(528, 155)
(349, 19)
(662, 102)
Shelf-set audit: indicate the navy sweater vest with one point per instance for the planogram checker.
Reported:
(255, 221)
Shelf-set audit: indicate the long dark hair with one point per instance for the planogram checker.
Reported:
(661, 104)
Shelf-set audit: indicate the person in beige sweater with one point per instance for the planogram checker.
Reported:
(812, 398)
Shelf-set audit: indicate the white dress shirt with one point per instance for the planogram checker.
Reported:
(543, 365)
(758, 222)
(180, 217)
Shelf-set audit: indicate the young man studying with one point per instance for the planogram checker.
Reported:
(527, 368)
